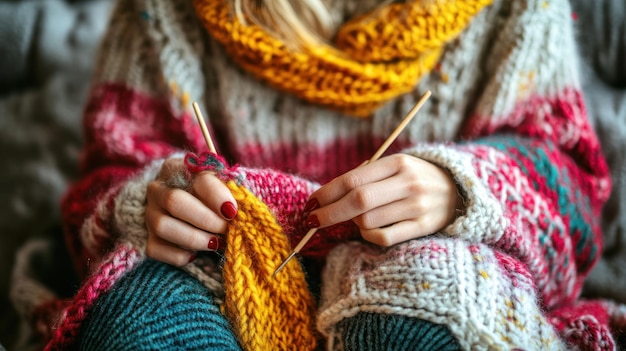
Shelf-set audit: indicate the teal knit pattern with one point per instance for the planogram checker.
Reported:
(387, 332)
(156, 307)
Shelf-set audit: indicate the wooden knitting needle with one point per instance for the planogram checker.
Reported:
(390, 139)
(205, 130)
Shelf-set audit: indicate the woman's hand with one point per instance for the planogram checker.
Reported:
(181, 222)
(391, 200)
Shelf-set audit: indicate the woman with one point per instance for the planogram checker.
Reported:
(475, 232)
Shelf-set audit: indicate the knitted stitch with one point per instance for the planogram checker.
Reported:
(254, 232)
(387, 332)
(108, 273)
(364, 76)
(266, 313)
(495, 277)
(452, 283)
(151, 299)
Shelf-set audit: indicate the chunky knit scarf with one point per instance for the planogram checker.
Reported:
(373, 59)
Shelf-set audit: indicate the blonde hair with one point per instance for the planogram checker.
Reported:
(299, 23)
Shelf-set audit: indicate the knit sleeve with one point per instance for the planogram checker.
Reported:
(530, 166)
(134, 119)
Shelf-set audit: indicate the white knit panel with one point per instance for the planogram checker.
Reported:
(534, 54)
(178, 38)
(485, 304)
(130, 61)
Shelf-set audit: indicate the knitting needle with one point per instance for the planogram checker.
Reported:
(390, 139)
(205, 130)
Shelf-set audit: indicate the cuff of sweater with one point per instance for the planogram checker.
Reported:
(486, 299)
(483, 220)
(130, 206)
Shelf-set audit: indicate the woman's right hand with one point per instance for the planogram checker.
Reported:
(182, 222)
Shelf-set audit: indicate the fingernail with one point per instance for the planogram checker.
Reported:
(221, 245)
(214, 244)
(229, 211)
(193, 257)
(311, 205)
(312, 222)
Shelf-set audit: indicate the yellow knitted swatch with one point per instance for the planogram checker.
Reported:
(374, 58)
(266, 313)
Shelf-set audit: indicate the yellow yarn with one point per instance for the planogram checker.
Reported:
(375, 58)
(266, 313)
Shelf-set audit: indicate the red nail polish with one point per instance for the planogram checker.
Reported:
(213, 244)
(311, 205)
(229, 211)
(193, 257)
(312, 222)
(221, 245)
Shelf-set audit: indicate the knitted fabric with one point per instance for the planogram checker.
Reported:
(266, 313)
(453, 283)
(507, 120)
(380, 57)
(107, 274)
(387, 332)
(148, 300)
(283, 309)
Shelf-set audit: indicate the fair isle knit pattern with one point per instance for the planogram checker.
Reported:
(453, 283)
(507, 274)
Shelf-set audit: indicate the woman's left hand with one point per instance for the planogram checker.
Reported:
(391, 200)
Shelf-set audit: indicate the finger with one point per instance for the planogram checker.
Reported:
(186, 207)
(396, 233)
(388, 214)
(361, 200)
(160, 250)
(342, 185)
(215, 195)
(180, 233)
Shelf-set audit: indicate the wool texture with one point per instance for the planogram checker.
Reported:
(373, 331)
(162, 297)
(267, 313)
(373, 60)
(507, 120)
(112, 268)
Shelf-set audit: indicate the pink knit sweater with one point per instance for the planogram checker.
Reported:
(507, 119)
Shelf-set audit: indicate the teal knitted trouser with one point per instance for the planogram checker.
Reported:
(377, 332)
(159, 307)
(156, 307)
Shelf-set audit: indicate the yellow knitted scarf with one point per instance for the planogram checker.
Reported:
(374, 58)
(266, 313)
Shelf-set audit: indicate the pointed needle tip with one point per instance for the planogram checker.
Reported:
(282, 265)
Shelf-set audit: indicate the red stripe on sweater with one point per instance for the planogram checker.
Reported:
(124, 126)
(561, 118)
